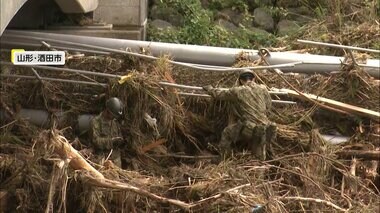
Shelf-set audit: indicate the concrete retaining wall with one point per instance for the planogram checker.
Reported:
(77, 6)
(8, 9)
(122, 12)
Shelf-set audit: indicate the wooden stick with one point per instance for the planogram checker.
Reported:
(186, 156)
(365, 154)
(336, 104)
(328, 203)
(209, 96)
(182, 86)
(337, 46)
(353, 167)
(106, 183)
(220, 194)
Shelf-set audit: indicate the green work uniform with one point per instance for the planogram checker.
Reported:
(102, 132)
(250, 104)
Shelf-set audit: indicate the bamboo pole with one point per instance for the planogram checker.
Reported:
(337, 46)
(208, 96)
(54, 79)
(336, 104)
(62, 69)
(182, 86)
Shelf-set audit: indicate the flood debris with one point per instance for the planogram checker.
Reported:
(169, 157)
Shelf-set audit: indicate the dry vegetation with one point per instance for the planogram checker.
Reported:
(40, 172)
(305, 173)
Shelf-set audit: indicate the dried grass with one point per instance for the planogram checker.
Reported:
(305, 167)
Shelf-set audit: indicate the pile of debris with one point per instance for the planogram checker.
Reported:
(175, 164)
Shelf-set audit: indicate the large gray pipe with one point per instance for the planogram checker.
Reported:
(41, 118)
(196, 54)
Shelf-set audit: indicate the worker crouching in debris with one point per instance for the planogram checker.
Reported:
(105, 131)
(250, 104)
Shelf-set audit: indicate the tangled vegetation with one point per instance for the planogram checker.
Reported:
(328, 21)
(198, 27)
(179, 170)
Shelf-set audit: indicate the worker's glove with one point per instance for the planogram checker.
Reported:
(207, 88)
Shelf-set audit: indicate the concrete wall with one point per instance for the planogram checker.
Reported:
(128, 17)
(32, 14)
(8, 9)
(34, 10)
(122, 12)
(77, 6)
(120, 33)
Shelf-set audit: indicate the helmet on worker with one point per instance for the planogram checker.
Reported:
(246, 76)
(115, 107)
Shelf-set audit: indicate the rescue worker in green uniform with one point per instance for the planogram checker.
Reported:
(250, 104)
(105, 131)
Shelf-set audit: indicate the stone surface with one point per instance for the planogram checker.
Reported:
(252, 4)
(205, 3)
(259, 31)
(167, 14)
(161, 24)
(263, 19)
(226, 24)
(288, 3)
(285, 27)
(302, 10)
(233, 16)
(300, 14)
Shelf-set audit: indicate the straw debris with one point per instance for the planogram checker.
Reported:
(179, 168)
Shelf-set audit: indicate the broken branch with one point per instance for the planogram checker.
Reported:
(66, 151)
(316, 200)
(365, 154)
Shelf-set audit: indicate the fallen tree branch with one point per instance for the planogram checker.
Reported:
(111, 184)
(77, 162)
(316, 200)
(219, 195)
(66, 151)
